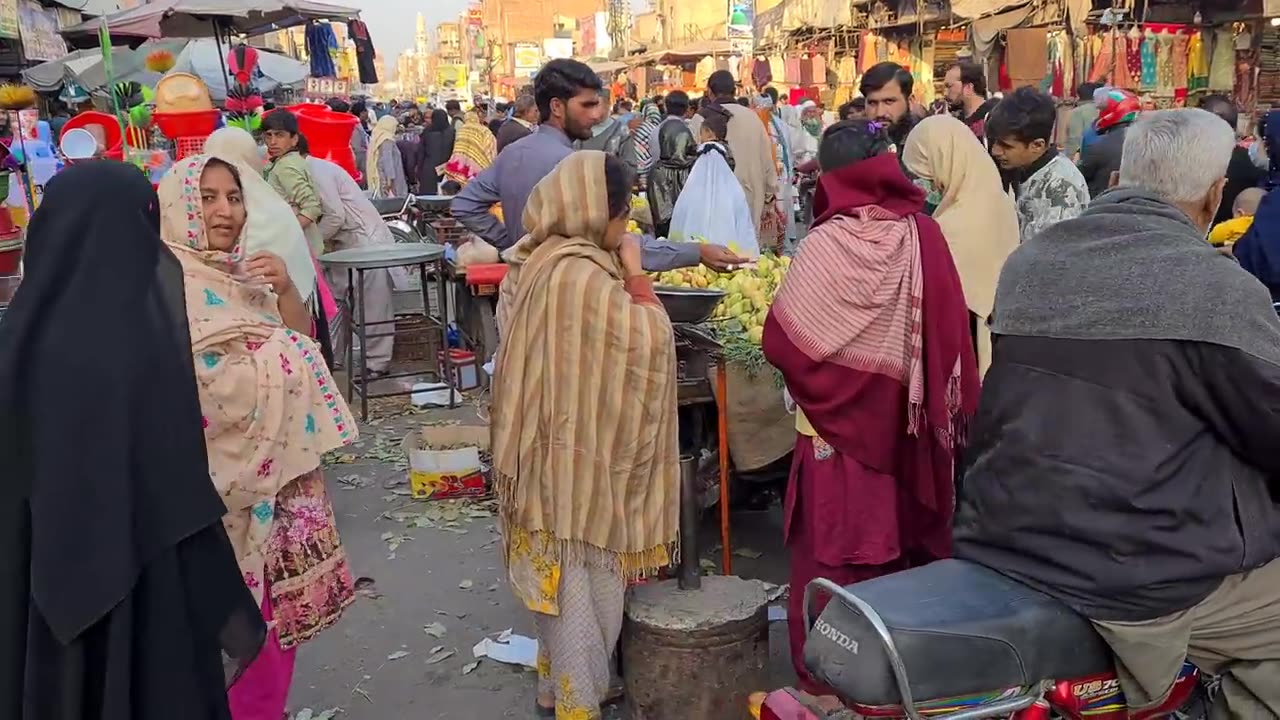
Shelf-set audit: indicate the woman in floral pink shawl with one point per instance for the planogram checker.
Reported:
(271, 409)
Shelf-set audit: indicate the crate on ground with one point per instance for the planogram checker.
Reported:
(448, 461)
(417, 339)
(448, 230)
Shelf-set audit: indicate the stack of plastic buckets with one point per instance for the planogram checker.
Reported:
(328, 134)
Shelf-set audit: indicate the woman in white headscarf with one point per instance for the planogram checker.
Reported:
(275, 228)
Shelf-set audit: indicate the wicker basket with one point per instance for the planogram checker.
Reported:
(417, 340)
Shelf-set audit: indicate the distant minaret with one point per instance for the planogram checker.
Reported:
(422, 42)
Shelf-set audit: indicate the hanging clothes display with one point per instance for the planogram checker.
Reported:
(1084, 62)
(1164, 64)
(1197, 63)
(1269, 67)
(1025, 53)
(806, 71)
(1067, 61)
(1052, 83)
(1105, 64)
(366, 56)
(760, 73)
(1121, 77)
(705, 67)
(320, 41)
(777, 69)
(1222, 66)
(1150, 56)
(1181, 47)
(846, 79)
(1133, 57)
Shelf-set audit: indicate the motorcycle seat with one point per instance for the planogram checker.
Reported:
(389, 206)
(959, 628)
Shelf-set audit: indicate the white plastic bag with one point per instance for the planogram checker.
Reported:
(712, 207)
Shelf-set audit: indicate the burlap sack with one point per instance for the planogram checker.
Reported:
(761, 431)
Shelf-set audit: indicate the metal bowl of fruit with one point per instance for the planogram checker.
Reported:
(688, 305)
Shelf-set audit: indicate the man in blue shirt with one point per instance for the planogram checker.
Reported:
(567, 93)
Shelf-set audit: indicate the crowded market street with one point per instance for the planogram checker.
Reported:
(640, 365)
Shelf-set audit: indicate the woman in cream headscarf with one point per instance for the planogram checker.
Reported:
(976, 216)
(274, 229)
(474, 149)
(270, 411)
(584, 425)
(384, 171)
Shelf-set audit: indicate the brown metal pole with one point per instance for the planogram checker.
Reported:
(722, 421)
(690, 574)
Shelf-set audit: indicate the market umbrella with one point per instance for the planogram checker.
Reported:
(210, 18)
(204, 58)
(48, 76)
(87, 69)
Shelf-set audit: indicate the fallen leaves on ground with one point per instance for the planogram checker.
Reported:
(440, 656)
(449, 516)
(309, 714)
(748, 553)
(435, 630)
(470, 667)
(466, 585)
(398, 655)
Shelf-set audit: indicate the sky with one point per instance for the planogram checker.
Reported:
(393, 23)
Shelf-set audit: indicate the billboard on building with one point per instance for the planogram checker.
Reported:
(604, 42)
(527, 56)
(741, 23)
(741, 26)
(557, 48)
(451, 77)
(587, 36)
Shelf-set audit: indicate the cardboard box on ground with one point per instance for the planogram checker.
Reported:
(448, 461)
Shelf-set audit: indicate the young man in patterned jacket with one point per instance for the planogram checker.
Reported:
(1048, 186)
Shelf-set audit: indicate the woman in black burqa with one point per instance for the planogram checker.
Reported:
(437, 148)
(120, 597)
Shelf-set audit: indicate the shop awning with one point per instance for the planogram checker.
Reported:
(194, 18)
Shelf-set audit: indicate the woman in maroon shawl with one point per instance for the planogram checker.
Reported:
(871, 332)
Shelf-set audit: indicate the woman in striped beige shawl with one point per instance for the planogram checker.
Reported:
(584, 425)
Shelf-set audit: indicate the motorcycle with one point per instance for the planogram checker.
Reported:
(407, 219)
(954, 640)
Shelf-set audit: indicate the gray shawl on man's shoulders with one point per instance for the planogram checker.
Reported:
(1133, 267)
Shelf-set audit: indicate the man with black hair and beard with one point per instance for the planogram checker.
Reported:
(887, 88)
(567, 94)
(965, 89)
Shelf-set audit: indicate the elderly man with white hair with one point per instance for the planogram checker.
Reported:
(1124, 456)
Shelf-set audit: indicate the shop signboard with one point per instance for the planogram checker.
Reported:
(9, 19)
(39, 28)
(325, 88)
(527, 56)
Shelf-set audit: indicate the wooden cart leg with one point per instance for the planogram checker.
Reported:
(722, 384)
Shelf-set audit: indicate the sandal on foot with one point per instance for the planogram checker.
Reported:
(543, 712)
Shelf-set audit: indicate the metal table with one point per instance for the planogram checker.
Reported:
(429, 259)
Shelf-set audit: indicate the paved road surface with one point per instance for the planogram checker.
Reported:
(349, 667)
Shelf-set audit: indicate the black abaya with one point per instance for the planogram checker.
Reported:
(120, 597)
